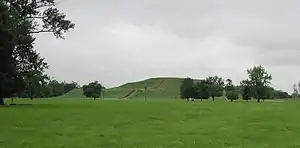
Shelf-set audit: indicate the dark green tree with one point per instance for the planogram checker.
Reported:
(215, 86)
(260, 80)
(19, 20)
(187, 88)
(246, 90)
(202, 90)
(231, 91)
(92, 90)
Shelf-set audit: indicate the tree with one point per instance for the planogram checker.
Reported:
(246, 90)
(231, 92)
(215, 86)
(260, 79)
(232, 95)
(187, 88)
(19, 20)
(92, 90)
(295, 91)
(201, 90)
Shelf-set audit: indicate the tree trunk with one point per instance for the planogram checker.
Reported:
(12, 100)
(258, 100)
(201, 100)
(1, 101)
(231, 100)
(213, 98)
(94, 98)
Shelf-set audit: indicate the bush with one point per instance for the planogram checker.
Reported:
(232, 95)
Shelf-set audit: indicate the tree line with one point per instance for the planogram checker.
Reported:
(256, 86)
(44, 87)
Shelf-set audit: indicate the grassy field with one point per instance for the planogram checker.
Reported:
(53, 123)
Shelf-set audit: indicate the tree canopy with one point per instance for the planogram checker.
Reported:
(19, 20)
(92, 90)
(215, 86)
(260, 81)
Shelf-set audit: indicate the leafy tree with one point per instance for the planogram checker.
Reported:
(187, 88)
(92, 90)
(232, 95)
(295, 91)
(19, 20)
(215, 86)
(246, 90)
(231, 92)
(246, 93)
(260, 79)
(202, 90)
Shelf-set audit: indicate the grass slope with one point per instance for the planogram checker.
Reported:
(57, 123)
(75, 93)
(157, 88)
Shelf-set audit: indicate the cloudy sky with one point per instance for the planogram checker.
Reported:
(116, 41)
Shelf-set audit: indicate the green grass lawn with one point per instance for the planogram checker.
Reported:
(54, 123)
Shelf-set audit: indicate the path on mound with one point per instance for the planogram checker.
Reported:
(130, 94)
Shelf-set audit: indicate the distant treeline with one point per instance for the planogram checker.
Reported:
(256, 86)
(43, 87)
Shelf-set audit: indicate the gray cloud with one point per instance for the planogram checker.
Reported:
(118, 41)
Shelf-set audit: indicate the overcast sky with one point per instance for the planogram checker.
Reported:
(117, 41)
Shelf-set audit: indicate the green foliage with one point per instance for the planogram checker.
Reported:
(246, 93)
(246, 90)
(202, 89)
(232, 95)
(19, 20)
(231, 91)
(187, 88)
(92, 90)
(260, 80)
(215, 86)
(43, 87)
(279, 94)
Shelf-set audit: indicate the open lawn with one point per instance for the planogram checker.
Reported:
(54, 123)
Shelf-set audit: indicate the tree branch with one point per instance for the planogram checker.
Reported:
(40, 31)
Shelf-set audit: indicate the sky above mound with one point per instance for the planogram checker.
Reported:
(116, 41)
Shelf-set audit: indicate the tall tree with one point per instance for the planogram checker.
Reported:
(201, 91)
(295, 91)
(260, 79)
(215, 86)
(19, 20)
(187, 88)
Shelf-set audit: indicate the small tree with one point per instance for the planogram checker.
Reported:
(246, 90)
(232, 95)
(92, 90)
(231, 92)
(246, 94)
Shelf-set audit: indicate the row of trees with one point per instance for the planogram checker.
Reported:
(19, 21)
(45, 88)
(257, 86)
